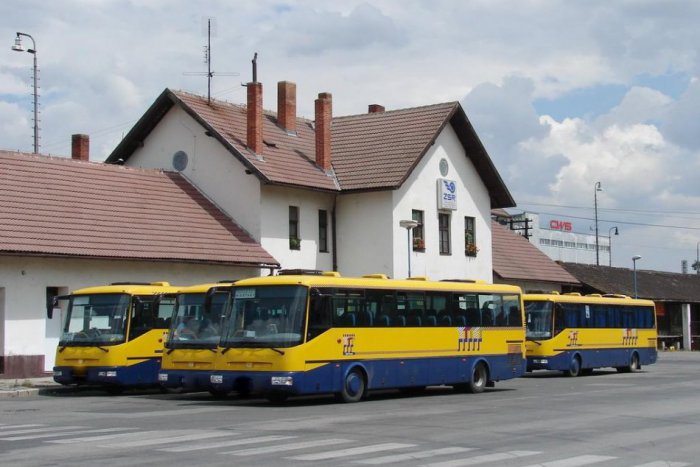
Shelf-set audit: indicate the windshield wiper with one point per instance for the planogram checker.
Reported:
(102, 348)
(281, 352)
(536, 342)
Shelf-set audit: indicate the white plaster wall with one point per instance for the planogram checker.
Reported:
(25, 279)
(211, 168)
(275, 227)
(420, 192)
(365, 234)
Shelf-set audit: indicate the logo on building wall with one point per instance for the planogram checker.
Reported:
(469, 339)
(348, 344)
(447, 194)
(629, 337)
(560, 225)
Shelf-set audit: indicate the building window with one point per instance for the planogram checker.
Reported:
(470, 248)
(323, 231)
(444, 233)
(418, 232)
(294, 240)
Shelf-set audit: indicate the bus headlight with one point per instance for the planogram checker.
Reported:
(107, 374)
(163, 377)
(282, 381)
(541, 361)
(58, 373)
(216, 379)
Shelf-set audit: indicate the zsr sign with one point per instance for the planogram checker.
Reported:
(560, 225)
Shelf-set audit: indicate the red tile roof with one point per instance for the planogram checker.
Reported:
(59, 206)
(515, 258)
(370, 151)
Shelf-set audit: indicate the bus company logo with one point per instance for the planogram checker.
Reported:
(573, 338)
(348, 344)
(629, 336)
(469, 339)
(450, 186)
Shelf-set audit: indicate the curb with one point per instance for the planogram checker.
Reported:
(19, 392)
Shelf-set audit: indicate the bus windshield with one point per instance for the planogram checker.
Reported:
(96, 319)
(265, 316)
(538, 315)
(196, 323)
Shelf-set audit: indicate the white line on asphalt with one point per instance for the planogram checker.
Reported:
(352, 451)
(499, 456)
(414, 455)
(64, 433)
(11, 427)
(226, 444)
(166, 440)
(39, 430)
(664, 464)
(92, 439)
(287, 447)
(575, 461)
(159, 413)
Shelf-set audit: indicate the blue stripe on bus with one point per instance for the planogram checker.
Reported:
(394, 373)
(592, 358)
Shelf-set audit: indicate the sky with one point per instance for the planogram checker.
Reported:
(563, 94)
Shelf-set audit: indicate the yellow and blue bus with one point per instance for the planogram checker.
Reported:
(194, 335)
(325, 334)
(575, 334)
(113, 335)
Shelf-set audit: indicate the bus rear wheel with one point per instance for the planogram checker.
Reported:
(633, 367)
(478, 381)
(574, 367)
(353, 386)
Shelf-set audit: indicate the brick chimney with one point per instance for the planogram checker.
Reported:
(375, 108)
(80, 147)
(255, 114)
(287, 106)
(324, 112)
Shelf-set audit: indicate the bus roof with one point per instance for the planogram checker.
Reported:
(376, 281)
(203, 288)
(591, 298)
(152, 288)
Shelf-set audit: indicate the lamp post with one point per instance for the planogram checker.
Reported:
(18, 48)
(409, 225)
(634, 274)
(596, 188)
(697, 258)
(610, 243)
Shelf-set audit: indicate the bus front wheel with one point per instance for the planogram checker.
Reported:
(353, 386)
(574, 367)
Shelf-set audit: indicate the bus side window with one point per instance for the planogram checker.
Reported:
(320, 316)
(559, 323)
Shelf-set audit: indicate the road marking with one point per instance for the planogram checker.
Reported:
(11, 427)
(287, 447)
(225, 444)
(92, 439)
(664, 464)
(166, 440)
(352, 451)
(64, 433)
(39, 430)
(413, 455)
(499, 456)
(158, 413)
(575, 461)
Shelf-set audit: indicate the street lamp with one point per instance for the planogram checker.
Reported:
(409, 225)
(634, 274)
(596, 189)
(18, 48)
(697, 258)
(610, 243)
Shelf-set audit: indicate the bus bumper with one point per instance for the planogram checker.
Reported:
(189, 380)
(244, 382)
(139, 374)
(67, 375)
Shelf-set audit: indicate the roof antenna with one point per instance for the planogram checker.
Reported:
(207, 59)
(255, 67)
